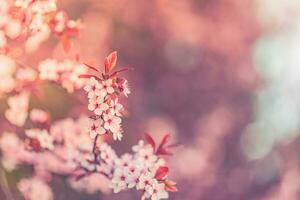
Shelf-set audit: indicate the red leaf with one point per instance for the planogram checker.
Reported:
(163, 151)
(119, 71)
(66, 43)
(161, 148)
(91, 67)
(150, 140)
(161, 173)
(165, 139)
(170, 186)
(110, 62)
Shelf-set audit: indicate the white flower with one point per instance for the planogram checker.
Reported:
(35, 189)
(91, 87)
(145, 180)
(96, 128)
(44, 138)
(107, 154)
(125, 88)
(13, 29)
(146, 156)
(115, 107)
(101, 108)
(119, 180)
(49, 70)
(139, 146)
(124, 161)
(66, 73)
(105, 88)
(117, 135)
(26, 74)
(112, 122)
(97, 105)
(38, 115)
(18, 109)
(159, 191)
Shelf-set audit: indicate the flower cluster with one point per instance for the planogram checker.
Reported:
(140, 171)
(103, 94)
(67, 149)
(65, 73)
(34, 20)
(39, 139)
(76, 148)
(143, 170)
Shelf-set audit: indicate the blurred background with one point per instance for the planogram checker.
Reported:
(222, 76)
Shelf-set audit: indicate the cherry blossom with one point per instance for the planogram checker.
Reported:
(91, 87)
(18, 109)
(111, 122)
(75, 147)
(10, 146)
(43, 138)
(38, 115)
(105, 88)
(65, 73)
(7, 70)
(124, 87)
(115, 107)
(35, 189)
(34, 21)
(103, 94)
(96, 128)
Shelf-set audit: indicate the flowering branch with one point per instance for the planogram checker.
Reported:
(73, 148)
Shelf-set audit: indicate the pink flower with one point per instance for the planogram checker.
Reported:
(18, 109)
(97, 105)
(26, 74)
(38, 115)
(49, 70)
(111, 122)
(115, 107)
(44, 138)
(145, 181)
(105, 88)
(125, 88)
(96, 128)
(159, 192)
(119, 180)
(35, 189)
(91, 87)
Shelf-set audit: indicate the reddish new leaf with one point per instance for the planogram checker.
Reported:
(110, 62)
(119, 71)
(170, 186)
(165, 140)
(66, 43)
(161, 173)
(91, 67)
(150, 140)
(161, 150)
